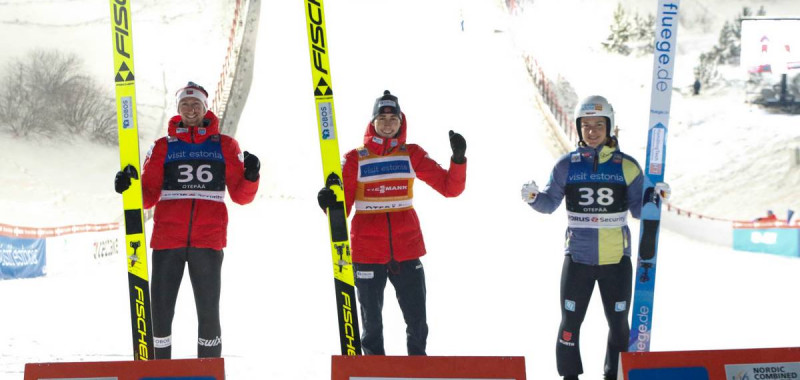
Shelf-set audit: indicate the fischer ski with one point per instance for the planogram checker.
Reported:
(666, 30)
(135, 247)
(349, 336)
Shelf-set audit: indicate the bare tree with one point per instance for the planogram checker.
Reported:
(20, 108)
(46, 94)
(103, 128)
(81, 104)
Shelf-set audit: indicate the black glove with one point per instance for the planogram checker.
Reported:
(122, 181)
(251, 167)
(326, 198)
(459, 146)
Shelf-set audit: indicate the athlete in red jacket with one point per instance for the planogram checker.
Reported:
(185, 176)
(385, 234)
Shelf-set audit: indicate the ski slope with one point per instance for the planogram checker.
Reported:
(493, 264)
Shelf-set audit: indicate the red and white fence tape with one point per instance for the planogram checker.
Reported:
(45, 232)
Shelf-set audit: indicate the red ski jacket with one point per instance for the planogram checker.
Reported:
(189, 200)
(378, 181)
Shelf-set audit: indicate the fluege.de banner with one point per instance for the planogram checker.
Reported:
(22, 257)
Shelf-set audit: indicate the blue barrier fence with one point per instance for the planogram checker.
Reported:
(774, 237)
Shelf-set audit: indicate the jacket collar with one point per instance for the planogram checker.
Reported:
(603, 153)
(382, 145)
(194, 134)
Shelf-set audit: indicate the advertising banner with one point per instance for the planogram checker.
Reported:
(770, 45)
(743, 364)
(778, 238)
(22, 257)
(427, 368)
(177, 369)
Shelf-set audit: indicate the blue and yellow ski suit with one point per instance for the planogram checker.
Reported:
(600, 185)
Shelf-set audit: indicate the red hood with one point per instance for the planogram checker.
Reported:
(194, 134)
(382, 145)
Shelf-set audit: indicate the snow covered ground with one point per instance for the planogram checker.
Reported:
(493, 265)
(725, 159)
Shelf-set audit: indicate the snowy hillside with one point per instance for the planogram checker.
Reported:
(173, 44)
(725, 159)
(712, 166)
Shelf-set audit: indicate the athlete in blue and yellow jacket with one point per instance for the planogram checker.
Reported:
(601, 185)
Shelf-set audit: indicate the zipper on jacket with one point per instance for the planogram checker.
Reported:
(596, 159)
(191, 218)
(191, 211)
(391, 248)
(625, 240)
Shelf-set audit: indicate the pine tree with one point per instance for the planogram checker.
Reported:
(621, 32)
(645, 31)
(706, 71)
(724, 43)
(734, 50)
(728, 49)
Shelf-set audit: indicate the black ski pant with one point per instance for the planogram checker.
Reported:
(577, 285)
(205, 266)
(408, 279)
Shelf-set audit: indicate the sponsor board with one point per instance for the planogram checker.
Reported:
(177, 369)
(763, 371)
(742, 364)
(427, 368)
(776, 241)
(22, 258)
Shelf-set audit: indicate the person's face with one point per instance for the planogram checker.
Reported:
(593, 129)
(387, 125)
(192, 111)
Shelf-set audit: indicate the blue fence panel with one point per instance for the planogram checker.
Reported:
(22, 258)
(778, 241)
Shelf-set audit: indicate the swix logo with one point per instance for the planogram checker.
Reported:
(209, 342)
(317, 35)
(121, 28)
(349, 330)
(141, 324)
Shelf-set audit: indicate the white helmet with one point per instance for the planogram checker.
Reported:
(594, 105)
